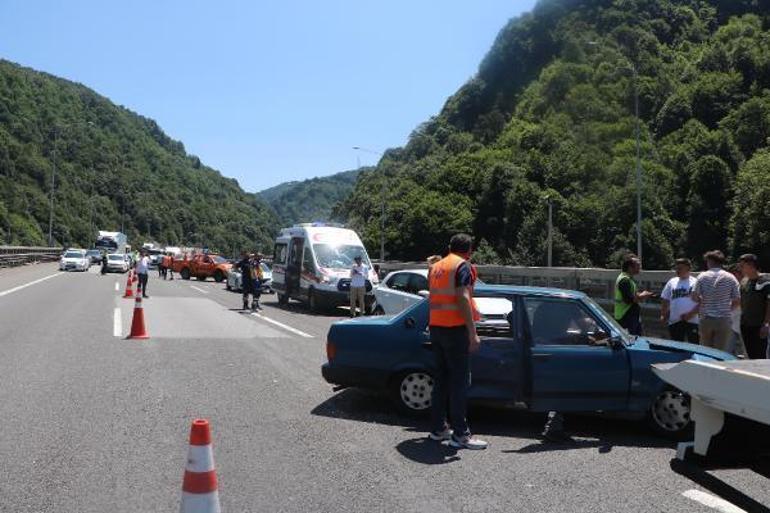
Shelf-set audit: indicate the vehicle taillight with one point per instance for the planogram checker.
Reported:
(331, 350)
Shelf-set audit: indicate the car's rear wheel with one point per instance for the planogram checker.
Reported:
(669, 415)
(283, 299)
(411, 392)
(218, 276)
(185, 273)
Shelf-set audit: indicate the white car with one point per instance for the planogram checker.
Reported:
(235, 279)
(117, 262)
(401, 289)
(74, 260)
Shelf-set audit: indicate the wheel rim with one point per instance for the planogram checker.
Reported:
(416, 390)
(671, 411)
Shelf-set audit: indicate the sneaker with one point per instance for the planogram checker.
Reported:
(440, 436)
(467, 442)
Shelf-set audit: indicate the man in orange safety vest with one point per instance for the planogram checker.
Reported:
(453, 336)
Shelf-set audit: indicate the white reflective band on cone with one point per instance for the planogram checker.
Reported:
(200, 459)
(200, 503)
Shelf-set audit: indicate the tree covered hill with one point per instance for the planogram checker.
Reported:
(310, 200)
(550, 114)
(113, 167)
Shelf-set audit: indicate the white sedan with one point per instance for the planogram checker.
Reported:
(74, 260)
(117, 262)
(235, 280)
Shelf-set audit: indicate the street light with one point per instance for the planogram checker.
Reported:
(56, 130)
(635, 80)
(382, 203)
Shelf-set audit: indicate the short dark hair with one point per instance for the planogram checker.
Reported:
(714, 256)
(750, 258)
(628, 261)
(683, 261)
(461, 243)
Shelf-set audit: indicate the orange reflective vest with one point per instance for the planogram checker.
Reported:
(444, 302)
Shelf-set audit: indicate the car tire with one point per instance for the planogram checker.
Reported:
(283, 299)
(185, 274)
(218, 276)
(411, 391)
(669, 415)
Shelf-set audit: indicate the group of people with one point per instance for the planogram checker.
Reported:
(726, 309)
(252, 276)
(166, 266)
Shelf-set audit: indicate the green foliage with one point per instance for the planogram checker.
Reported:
(310, 200)
(551, 113)
(113, 168)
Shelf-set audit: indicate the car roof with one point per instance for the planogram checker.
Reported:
(530, 291)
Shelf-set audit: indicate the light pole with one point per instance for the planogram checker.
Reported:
(382, 203)
(550, 231)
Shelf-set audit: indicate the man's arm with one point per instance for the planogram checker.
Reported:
(466, 310)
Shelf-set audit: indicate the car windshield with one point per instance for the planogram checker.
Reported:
(116, 257)
(93, 252)
(73, 254)
(338, 257)
(218, 259)
(265, 267)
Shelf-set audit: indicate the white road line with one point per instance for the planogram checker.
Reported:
(199, 290)
(282, 325)
(117, 287)
(117, 323)
(16, 289)
(712, 501)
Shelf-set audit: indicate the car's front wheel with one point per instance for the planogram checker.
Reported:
(411, 392)
(218, 276)
(669, 415)
(185, 273)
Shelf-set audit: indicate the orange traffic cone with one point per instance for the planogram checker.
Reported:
(129, 290)
(136, 277)
(199, 488)
(138, 330)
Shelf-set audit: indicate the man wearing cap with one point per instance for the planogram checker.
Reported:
(358, 274)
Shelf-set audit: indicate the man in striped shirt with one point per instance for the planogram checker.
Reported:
(717, 293)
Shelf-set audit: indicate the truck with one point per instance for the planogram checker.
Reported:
(202, 266)
(112, 242)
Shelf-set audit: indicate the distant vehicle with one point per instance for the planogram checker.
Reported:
(117, 262)
(202, 266)
(94, 255)
(235, 283)
(311, 263)
(155, 256)
(112, 242)
(174, 250)
(401, 289)
(74, 260)
(555, 350)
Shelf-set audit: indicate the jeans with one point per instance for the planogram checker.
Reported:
(143, 283)
(756, 346)
(450, 382)
(684, 331)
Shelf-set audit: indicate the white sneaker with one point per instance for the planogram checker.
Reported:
(468, 442)
(440, 436)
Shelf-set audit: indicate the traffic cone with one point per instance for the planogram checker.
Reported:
(138, 330)
(136, 277)
(199, 488)
(129, 290)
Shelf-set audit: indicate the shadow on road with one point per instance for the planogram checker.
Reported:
(718, 487)
(589, 431)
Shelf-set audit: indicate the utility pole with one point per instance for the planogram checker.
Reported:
(53, 186)
(638, 166)
(550, 232)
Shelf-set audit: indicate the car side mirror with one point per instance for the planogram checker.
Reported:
(409, 322)
(615, 342)
(423, 293)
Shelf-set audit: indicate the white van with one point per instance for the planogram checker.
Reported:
(312, 261)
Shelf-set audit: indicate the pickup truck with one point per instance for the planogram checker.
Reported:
(202, 266)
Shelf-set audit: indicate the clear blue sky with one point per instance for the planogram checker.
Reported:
(264, 91)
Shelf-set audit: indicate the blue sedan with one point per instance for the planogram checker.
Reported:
(541, 349)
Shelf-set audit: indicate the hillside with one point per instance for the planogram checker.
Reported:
(112, 166)
(551, 113)
(310, 200)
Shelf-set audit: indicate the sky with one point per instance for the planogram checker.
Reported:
(265, 92)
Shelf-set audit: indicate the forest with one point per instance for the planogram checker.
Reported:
(550, 116)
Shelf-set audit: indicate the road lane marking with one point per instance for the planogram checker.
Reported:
(117, 322)
(712, 501)
(117, 287)
(199, 290)
(282, 325)
(16, 289)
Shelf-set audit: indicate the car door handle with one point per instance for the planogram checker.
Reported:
(541, 356)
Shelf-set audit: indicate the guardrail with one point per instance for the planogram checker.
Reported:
(11, 256)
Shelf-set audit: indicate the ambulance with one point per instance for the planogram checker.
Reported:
(312, 261)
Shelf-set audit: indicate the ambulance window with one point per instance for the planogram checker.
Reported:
(308, 264)
(279, 256)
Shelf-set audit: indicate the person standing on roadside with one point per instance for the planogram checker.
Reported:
(735, 346)
(104, 263)
(755, 307)
(171, 266)
(142, 268)
(717, 292)
(677, 307)
(453, 316)
(358, 274)
(628, 312)
(247, 282)
(256, 276)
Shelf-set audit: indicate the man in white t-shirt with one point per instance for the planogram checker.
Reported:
(142, 270)
(358, 274)
(677, 307)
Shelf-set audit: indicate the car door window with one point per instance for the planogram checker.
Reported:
(417, 282)
(308, 264)
(562, 322)
(399, 282)
(279, 255)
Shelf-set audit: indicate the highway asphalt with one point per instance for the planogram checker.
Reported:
(92, 422)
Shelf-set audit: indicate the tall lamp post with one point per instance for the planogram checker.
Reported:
(382, 203)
